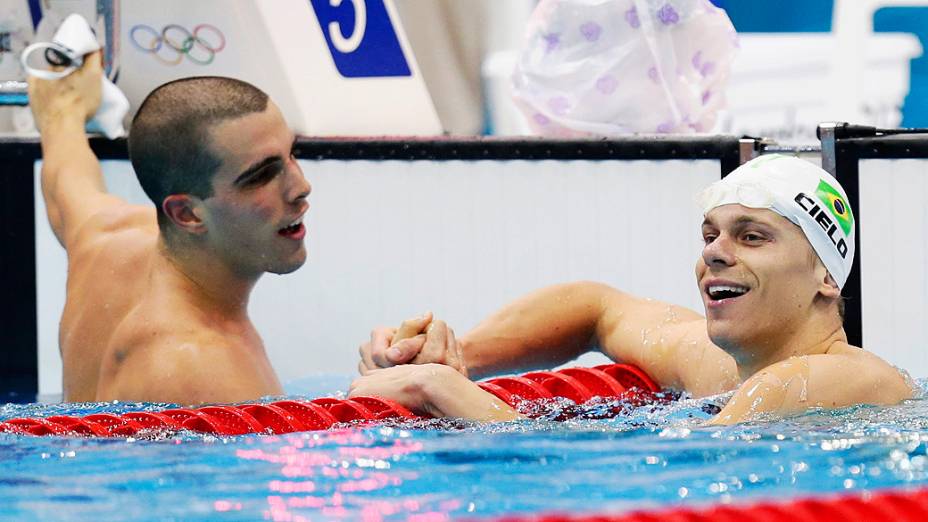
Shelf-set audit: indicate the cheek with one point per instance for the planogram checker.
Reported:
(244, 213)
(261, 211)
(791, 278)
(700, 268)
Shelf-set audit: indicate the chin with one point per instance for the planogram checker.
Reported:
(288, 266)
(724, 338)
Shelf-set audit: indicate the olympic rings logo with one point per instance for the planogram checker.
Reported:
(178, 42)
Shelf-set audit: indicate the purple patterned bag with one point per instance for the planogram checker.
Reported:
(607, 67)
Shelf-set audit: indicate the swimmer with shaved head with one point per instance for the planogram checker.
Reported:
(157, 297)
(779, 245)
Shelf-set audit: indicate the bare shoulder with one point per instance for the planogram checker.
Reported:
(114, 224)
(668, 341)
(703, 368)
(867, 377)
(118, 243)
(843, 376)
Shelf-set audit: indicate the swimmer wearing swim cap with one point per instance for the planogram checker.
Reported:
(157, 297)
(779, 245)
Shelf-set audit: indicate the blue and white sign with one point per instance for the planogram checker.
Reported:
(361, 38)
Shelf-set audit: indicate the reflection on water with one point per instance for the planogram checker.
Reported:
(652, 456)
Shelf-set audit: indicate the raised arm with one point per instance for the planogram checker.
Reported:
(72, 180)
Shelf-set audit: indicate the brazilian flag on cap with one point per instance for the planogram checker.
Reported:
(837, 205)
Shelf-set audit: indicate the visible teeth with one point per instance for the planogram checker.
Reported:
(295, 223)
(716, 289)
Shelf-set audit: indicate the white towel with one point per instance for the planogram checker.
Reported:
(75, 39)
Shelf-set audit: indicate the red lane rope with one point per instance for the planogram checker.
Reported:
(611, 381)
(903, 506)
(578, 384)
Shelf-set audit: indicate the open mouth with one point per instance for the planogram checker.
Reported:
(720, 292)
(294, 230)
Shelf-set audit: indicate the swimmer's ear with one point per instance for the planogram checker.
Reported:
(183, 210)
(829, 287)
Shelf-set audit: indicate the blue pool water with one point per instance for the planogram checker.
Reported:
(655, 456)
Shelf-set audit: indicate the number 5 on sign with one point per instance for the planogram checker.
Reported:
(350, 44)
(361, 38)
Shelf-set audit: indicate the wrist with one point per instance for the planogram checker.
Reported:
(59, 131)
(58, 119)
(447, 393)
(432, 385)
(468, 360)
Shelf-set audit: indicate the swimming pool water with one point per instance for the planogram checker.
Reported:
(655, 456)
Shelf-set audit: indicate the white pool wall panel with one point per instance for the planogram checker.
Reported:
(391, 239)
(894, 260)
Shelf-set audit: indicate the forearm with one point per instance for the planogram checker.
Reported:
(70, 170)
(72, 181)
(453, 395)
(543, 329)
(435, 390)
(67, 160)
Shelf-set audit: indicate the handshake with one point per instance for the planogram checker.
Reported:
(420, 340)
(421, 366)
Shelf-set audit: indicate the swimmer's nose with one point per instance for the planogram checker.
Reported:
(720, 252)
(300, 188)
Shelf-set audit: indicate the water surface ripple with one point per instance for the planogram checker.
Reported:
(655, 456)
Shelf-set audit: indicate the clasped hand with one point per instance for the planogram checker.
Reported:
(420, 340)
(419, 365)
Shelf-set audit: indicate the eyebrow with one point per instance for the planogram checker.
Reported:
(260, 165)
(257, 167)
(743, 220)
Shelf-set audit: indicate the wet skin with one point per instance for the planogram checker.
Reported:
(155, 319)
(772, 331)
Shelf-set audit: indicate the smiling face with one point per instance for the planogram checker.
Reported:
(254, 218)
(759, 279)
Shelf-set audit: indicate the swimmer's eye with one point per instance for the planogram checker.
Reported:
(708, 238)
(263, 176)
(753, 237)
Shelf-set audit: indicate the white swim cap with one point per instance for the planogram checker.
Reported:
(802, 193)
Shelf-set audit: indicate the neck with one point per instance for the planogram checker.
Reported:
(205, 280)
(811, 338)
